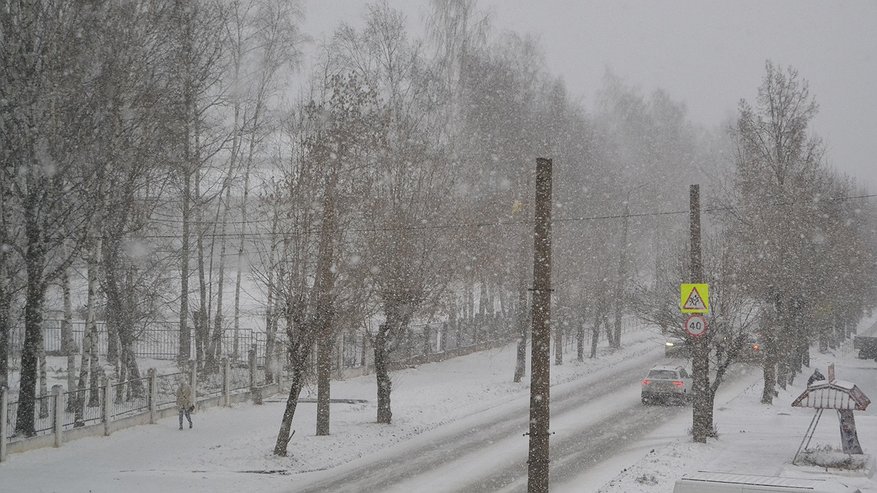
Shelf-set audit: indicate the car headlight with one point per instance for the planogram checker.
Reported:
(668, 344)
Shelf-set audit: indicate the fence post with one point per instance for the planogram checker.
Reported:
(153, 395)
(280, 358)
(58, 425)
(252, 364)
(255, 391)
(4, 409)
(106, 411)
(226, 370)
(193, 382)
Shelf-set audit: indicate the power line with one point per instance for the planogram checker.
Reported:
(483, 224)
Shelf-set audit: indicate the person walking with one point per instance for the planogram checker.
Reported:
(184, 402)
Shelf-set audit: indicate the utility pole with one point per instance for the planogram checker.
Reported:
(540, 382)
(700, 363)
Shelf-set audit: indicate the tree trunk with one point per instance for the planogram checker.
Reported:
(285, 433)
(595, 333)
(622, 278)
(44, 403)
(121, 303)
(270, 316)
(215, 352)
(324, 369)
(769, 371)
(5, 308)
(185, 350)
(202, 320)
(385, 414)
(523, 332)
(33, 320)
(88, 364)
(5, 303)
(610, 335)
(68, 342)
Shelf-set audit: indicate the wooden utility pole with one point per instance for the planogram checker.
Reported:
(700, 364)
(540, 382)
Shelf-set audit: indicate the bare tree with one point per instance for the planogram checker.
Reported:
(777, 161)
(341, 132)
(48, 179)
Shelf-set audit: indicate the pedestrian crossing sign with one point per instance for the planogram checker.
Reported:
(694, 298)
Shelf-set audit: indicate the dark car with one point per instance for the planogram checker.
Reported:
(867, 346)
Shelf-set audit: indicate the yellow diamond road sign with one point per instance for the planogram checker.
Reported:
(694, 298)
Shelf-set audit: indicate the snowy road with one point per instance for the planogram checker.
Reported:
(591, 420)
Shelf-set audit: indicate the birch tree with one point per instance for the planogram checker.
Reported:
(48, 177)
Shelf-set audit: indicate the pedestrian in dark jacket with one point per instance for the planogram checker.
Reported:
(184, 402)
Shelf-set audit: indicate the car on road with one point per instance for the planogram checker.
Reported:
(867, 346)
(677, 347)
(666, 383)
(752, 350)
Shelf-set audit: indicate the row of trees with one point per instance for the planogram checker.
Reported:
(395, 185)
(128, 130)
(790, 246)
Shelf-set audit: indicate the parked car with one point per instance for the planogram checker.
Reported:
(666, 384)
(677, 347)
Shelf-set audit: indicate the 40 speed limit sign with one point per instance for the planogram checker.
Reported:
(695, 325)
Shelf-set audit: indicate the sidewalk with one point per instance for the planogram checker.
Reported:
(755, 438)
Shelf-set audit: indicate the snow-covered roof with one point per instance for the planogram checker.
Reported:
(836, 394)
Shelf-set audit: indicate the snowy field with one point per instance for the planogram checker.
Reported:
(229, 450)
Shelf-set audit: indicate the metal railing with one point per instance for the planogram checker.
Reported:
(129, 398)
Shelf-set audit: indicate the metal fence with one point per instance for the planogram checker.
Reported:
(166, 389)
(157, 340)
(44, 411)
(85, 407)
(160, 340)
(111, 401)
(130, 397)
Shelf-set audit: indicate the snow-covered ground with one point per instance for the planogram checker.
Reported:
(229, 450)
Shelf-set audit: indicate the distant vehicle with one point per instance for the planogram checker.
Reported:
(666, 384)
(752, 350)
(677, 347)
(867, 346)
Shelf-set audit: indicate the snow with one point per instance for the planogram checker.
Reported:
(229, 449)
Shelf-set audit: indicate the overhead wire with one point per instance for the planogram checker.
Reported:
(483, 224)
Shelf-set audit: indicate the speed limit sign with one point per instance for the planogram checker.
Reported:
(695, 325)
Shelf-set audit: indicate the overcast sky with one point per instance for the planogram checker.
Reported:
(709, 54)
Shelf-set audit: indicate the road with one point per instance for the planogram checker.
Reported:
(591, 420)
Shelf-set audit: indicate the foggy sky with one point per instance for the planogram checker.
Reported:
(709, 54)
